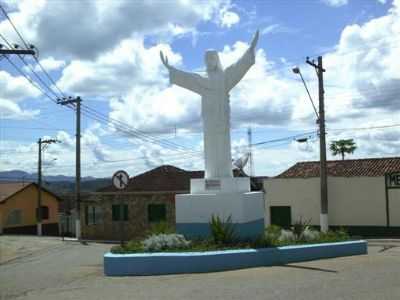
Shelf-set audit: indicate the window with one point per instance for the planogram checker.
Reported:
(14, 217)
(93, 215)
(116, 212)
(45, 213)
(157, 213)
(281, 215)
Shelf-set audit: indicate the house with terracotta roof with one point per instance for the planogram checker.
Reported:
(18, 209)
(363, 195)
(149, 198)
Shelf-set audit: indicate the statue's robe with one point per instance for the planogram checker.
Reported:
(214, 90)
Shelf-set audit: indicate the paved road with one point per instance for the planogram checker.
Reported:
(74, 271)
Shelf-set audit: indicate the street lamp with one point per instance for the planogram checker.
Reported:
(296, 70)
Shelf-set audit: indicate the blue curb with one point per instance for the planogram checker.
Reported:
(211, 261)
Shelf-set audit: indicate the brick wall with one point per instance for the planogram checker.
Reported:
(137, 224)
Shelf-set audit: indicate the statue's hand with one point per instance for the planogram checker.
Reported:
(254, 41)
(164, 60)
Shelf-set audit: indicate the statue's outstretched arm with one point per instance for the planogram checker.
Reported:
(235, 72)
(191, 81)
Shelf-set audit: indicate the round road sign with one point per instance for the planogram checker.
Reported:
(120, 180)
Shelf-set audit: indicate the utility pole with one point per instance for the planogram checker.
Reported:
(39, 204)
(322, 145)
(249, 140)
(77, 102)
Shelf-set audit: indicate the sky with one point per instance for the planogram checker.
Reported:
(107, 52)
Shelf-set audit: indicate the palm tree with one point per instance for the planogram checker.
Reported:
(342, 147)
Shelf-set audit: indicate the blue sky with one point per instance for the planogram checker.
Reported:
(109, 56)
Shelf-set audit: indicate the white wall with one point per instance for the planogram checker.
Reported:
(357, 201)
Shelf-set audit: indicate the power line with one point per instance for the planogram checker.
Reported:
(365, 128)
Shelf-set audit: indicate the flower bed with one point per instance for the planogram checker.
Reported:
(162, 263)
(164, 252)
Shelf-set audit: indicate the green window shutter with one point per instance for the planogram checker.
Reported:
(157, 213)
(86, 215)
(126, 212)
(115, 212)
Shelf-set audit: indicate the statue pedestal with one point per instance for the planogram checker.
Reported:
(223, 197)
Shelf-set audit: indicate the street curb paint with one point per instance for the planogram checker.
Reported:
(162, 263)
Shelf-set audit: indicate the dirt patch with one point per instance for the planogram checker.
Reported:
(13, 246)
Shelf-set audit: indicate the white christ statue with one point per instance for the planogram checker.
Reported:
(214, 89)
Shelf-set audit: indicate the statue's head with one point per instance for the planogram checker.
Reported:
(212, 61)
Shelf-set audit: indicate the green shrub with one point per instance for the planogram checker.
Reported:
(129, 247)
(222, 231)
(272, 234)
(160, 228)
(334, 236)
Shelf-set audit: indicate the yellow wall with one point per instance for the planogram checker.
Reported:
(26, 200)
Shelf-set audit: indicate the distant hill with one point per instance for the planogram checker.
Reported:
(56, 183)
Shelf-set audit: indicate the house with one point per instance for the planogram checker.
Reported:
(18, 209)
(148, 199)
(358, 197)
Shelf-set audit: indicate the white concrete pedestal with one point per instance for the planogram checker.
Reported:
(224, 197)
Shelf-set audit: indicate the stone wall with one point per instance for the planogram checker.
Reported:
(137, 224)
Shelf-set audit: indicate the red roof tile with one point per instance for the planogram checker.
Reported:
(368, 167)
(161, 179)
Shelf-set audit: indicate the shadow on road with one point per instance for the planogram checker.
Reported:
(310, 268)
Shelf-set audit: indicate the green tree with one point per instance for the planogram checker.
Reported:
(343, 147)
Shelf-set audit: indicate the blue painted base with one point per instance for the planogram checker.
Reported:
(249, 230)
(211, 261)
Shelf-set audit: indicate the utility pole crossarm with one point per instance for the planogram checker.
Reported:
(312, 63)
(17, 51)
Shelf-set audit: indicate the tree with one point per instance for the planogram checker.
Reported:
(342, 147)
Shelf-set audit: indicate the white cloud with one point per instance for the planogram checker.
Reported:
(14, 90)
(228, 18)
(115, 72)
(277, 28)
(50, 64)
(11, 110)
(335, 3)
(48, 24)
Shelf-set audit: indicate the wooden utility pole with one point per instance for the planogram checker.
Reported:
(77, 102)
(322, 145)
(39, 204)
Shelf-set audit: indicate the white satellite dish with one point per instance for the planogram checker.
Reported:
(241, 162)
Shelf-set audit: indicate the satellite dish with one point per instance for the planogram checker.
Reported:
(242, 161)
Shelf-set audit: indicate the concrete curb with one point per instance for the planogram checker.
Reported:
(162, 263)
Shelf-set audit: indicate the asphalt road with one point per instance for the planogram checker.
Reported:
(74, 271)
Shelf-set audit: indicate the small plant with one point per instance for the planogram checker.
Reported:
(222, 231)
(165, 242)
(286, 237)
(160, 228)
(309, 235)
(300, 226)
